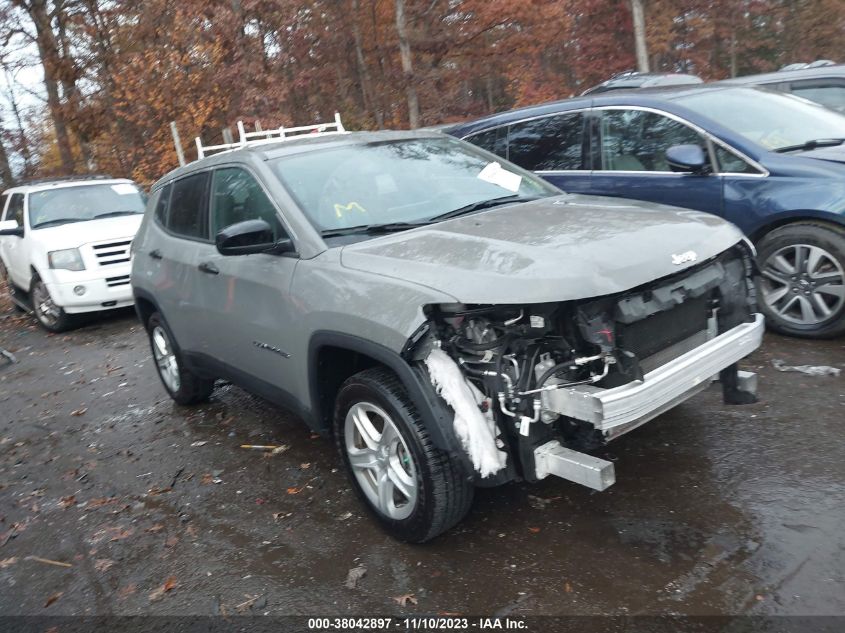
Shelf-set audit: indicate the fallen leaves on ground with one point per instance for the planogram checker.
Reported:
(99, 502)
(103, 564)
(53, 598)
(355, 574)
(67, 502)
(171, 541)
(169, 585)
(78, 412)
(8, 562)
(534, 530)
(207, 479)
(294, 490)
(124, 592)
(405, 599)
(154, 529)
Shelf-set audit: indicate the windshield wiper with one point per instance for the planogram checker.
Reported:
(59, 221)
(808, 145)
(484, 204)
(373, 229)
(113, 214)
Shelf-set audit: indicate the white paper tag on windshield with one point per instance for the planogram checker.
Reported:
(494, 173)
(124, 188)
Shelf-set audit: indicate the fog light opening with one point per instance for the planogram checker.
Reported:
(79, 290)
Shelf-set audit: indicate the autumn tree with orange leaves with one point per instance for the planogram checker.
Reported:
(116, 72)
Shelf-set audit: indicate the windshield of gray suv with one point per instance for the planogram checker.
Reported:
(394, 185)
(777, 121)
(80, 203)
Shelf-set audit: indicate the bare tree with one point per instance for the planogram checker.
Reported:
(6, 177)
(407, 65)
(638, 15)
(48, 51)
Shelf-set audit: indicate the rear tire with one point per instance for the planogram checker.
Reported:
(414, 489)
(183, 385)
(50, 316)
(802, 282)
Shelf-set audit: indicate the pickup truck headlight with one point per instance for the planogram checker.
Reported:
(68, 259)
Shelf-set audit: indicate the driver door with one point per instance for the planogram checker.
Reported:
(247, 297)
(14, 252)
(629, 160)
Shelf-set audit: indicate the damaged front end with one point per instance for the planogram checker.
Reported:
(533, 386)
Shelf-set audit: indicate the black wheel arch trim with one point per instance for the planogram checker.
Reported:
(436, 415)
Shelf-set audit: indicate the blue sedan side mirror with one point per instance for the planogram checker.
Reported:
(687, 158)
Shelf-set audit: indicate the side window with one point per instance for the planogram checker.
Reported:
(730, 163)
(188, 212)
(495, 140)
(15, 210)
(832, 96)
(236, 196)
(160, 212)
(548, 144)
(635, 140)
(3, 198)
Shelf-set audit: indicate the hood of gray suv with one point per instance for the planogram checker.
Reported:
(556, 249)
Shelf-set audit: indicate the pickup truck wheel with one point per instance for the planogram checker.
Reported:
(50, 316)
(802, 280)
(183, 385)
(414, 489)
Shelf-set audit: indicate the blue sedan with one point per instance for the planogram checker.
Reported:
(771, 163)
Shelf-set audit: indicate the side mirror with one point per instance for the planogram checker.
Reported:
(10, 227)
(249, 237)
(687, 158)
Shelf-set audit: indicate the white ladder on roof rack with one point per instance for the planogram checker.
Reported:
(260, 137)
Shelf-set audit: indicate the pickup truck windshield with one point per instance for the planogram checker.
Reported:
(776, 121)
(80, 203)
(399, 184)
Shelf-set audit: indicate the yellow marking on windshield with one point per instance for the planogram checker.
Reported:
(339, 209)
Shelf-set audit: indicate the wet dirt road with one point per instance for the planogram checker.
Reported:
(137, 506)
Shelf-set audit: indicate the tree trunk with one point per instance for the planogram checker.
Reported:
(363, 71)
(638, 14)
(49, 53)
(407, 66)
(6, 177)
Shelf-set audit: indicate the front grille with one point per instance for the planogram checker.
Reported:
(114, 282)
(112, 252)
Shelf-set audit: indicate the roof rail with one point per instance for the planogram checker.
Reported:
(261, 137)
(42, 181)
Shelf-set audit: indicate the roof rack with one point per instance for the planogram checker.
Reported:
(260, 137)
(42, 181)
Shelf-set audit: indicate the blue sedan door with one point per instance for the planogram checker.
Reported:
(629, 159)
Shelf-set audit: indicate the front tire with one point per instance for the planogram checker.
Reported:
(50, 316)
(802, 282)
(414, 489)
(183, 385)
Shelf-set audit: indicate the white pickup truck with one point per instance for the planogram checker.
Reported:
(64, 246)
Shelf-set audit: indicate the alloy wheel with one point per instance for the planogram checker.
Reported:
(380, 460)
(165, 357)
(803, 284)
(45, 308)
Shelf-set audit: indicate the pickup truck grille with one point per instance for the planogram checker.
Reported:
(112, 252)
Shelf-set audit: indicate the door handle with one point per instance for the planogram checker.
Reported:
(156, 254)
(208, 267)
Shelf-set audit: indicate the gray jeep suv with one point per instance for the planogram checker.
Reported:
(450, 319)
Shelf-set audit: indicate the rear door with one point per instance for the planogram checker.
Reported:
(554, 146)
(246, 298)
(181, 221)
(629, 159)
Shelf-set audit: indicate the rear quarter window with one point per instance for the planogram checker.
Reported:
(187, 214)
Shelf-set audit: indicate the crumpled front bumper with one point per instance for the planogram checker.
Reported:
(620, 409)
